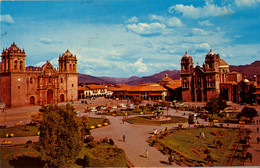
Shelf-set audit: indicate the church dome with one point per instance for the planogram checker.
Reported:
(210, 52)
(186, 55)
(13, 49)
(222, 63)
(67, 55)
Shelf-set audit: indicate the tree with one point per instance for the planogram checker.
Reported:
(36, 118)
(238, 116)
(249, 112)
(191, 120)
(215, 105)
(137, 100)
(60, 141)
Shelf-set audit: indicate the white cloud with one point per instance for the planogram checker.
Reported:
(157, 17)
(169, 21)
(174, 22)
(133, 19)
(199, 12)
(6, 19)
(46, 40)
(198, 31)
(246, 2)
(147, 28)
(205, 23)
(140, 66)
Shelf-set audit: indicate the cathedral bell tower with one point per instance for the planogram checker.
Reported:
(68, 63)
(186, 63)
(186, 69)
(212, 61)
(13, 59)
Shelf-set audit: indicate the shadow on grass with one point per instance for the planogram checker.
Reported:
(163, 162)
(80, 162)
(211, 146)
(26, 161)
(142, 156)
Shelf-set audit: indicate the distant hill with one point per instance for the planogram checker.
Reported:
(82, 78)
(120, 80)
(175, 74)
(247, 70)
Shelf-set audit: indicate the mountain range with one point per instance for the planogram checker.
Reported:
(247, 70)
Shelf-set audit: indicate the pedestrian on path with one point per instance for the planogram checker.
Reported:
(258, 140)
(124, 138)
(170, 160)
(146, 153)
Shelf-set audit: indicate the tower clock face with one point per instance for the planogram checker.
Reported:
(19, 79)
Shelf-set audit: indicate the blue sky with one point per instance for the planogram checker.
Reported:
(123, 38)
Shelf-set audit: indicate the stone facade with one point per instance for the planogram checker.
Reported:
(22, 85)
(210, 80)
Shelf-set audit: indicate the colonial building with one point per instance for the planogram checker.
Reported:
(173, 88)
(213, 79)
(22, 85)
(92, 90)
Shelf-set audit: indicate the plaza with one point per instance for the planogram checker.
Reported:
(136, 136)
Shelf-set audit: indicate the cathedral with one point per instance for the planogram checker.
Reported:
(22, 85)
(213, 79)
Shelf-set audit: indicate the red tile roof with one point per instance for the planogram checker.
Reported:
(257, 93)
(146, 88)
(94, 87)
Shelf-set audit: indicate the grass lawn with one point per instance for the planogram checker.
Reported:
(95, 121)
(137, 111)
(188, 143)
(9, 156)
(19, 131)
(144, 120)
(231, 119)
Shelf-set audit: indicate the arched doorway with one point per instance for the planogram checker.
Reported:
(62, 97)
(49, 96)
(32, 100)
(199, 96)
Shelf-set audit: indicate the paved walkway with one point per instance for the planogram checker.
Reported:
(136, 136)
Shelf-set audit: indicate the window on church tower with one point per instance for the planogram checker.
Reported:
(15, 64)
(21, 64)
(31, 80)
(210, 65)
(61, 80)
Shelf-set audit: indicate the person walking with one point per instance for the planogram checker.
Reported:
(124, 138)
(170, 160)
(146, 153)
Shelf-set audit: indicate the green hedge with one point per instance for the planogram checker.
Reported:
(103, 156)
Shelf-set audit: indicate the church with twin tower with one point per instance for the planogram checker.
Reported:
(21, 85)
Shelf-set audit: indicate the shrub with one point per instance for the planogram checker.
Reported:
(102, 156)
(93, 144)
(105, 140)
(28, 143)
(89, 139)
(111, 141)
